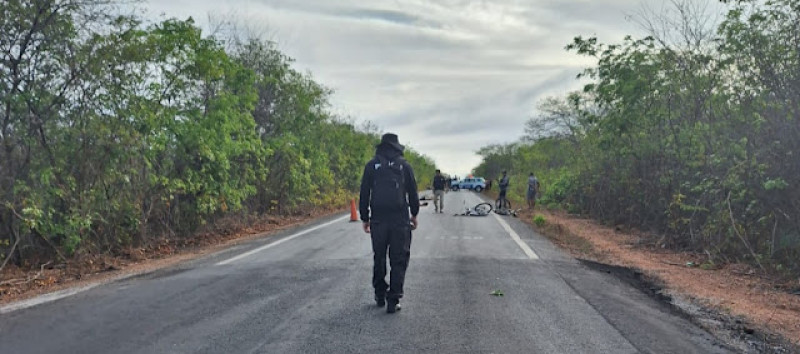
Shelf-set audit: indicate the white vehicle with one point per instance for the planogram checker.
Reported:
(477, 184)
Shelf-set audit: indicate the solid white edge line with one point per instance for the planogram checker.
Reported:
(57, 295)
(44, 299)
(525, 248)
(69, 292)
(273, 244)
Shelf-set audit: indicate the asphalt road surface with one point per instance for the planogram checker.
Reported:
(308, 290)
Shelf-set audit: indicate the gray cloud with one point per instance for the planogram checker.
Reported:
(384, 15)
(448, 76)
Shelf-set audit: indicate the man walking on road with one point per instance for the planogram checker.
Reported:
(533, 189)
(388, 193)
(439, 185)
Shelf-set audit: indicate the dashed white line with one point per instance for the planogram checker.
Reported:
(273, 244)
(448, 238)
(525, 248)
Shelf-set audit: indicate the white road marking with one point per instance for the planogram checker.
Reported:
(444, 238)
(301, 233)
(57, 295)
(528, 251)
(44, 298)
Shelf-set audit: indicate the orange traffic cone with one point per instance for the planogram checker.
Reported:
(353, 214)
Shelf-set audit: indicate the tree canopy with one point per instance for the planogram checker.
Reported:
(115, 132)
(690, 133)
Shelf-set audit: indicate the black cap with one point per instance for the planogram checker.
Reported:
(390, 139)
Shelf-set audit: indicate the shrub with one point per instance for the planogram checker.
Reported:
(539, 220)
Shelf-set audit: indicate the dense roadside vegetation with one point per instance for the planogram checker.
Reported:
(692, 133)
(115, 132)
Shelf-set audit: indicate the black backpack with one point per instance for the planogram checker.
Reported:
(388, 184)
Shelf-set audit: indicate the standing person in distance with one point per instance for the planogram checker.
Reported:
(388, 194)
(439, 185)
(533, 189)
(503, 186)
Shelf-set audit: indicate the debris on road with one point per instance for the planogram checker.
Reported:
(497, 293)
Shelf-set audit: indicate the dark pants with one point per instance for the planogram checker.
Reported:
(396, 238)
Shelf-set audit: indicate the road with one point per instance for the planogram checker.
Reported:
(308, 291)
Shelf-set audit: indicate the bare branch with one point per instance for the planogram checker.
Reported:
(736, 231)
(10, 253)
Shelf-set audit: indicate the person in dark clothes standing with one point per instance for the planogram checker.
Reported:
(439, 185)
(503, 185)
(388, 194)
(533, 190)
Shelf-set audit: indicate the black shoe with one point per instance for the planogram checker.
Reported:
(392, 306)
(381, 302)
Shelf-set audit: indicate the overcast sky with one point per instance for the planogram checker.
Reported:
(448, 76)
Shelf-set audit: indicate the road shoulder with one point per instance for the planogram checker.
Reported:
(732, 302)
(24, 288)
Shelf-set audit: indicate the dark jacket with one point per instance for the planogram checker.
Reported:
(364, 202)
(439, 183)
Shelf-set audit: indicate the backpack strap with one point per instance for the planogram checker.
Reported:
(384, 162)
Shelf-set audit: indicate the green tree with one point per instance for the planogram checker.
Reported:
(687, 132)
(115, 133)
